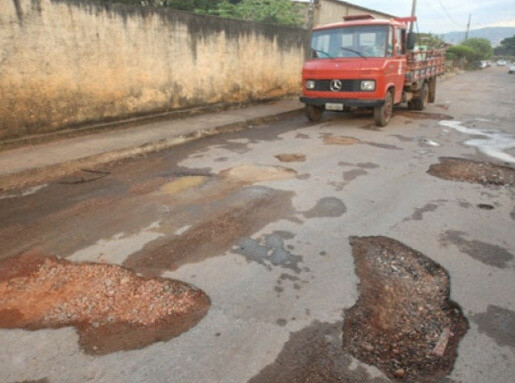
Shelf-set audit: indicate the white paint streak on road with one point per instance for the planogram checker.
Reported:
(30, 191)
(117, 248)
(493, 144)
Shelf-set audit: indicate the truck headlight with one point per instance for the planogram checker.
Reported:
(310, 84)
(368, 85)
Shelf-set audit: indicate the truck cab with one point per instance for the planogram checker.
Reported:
(361, 62)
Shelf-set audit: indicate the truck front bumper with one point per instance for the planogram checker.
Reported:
(359, 103)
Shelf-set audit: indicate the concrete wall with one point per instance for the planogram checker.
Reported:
(64, 63)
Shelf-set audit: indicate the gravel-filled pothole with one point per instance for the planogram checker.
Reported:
(112, 308)
(403, 322)
(484, 173)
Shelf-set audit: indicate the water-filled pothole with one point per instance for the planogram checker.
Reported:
(484, 173)
(403, 322)
(485, 206)
(112, 308)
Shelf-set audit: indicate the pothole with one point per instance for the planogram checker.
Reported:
(340, 140)
(292, 157)
(85, 175)
(112, 308)
(485, 206)
(484, 173)
(182, 183)
(403, 322)
(249, 174)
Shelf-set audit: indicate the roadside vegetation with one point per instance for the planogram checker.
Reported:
(470, 52)
(507, 49)
(283, 12)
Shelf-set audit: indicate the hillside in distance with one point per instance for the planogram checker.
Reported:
(494, 34)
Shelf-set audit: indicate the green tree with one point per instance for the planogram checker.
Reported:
(430, 41)
(507, 47)
(461, 52)
(284, 12)
(482, 48)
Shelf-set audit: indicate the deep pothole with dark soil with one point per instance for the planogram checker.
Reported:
(484, 173)
(403, 322)
(112, 308)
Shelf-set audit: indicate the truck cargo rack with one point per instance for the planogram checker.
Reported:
(425, 64)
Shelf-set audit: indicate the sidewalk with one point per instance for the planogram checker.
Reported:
(37, 163)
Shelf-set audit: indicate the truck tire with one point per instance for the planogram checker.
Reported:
(314, 112)
(432, 90)
(383, 113)
(420, 102)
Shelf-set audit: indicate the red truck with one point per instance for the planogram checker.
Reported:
(366, 62)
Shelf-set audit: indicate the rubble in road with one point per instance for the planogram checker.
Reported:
(112, 308)
(403, 322)
(484, 173)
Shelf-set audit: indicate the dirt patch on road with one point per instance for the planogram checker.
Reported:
(112, 308)
(315, 355)
(403, 322)
(217, 232)
(250, 174)
(293, 157)
(483, 173)
(335, 140)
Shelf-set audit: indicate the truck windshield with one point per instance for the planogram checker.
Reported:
(360, 41)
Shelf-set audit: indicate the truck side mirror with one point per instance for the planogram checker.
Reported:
(412, 38)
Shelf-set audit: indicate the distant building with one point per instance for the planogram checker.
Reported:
(332, 11)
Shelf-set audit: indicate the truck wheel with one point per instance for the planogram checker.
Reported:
(432, 90)
(314, 112)
(383, 113)
(420, 102)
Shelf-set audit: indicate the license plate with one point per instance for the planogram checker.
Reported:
(333, 106)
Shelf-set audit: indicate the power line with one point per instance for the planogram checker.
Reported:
(435, 11)
(448, 15)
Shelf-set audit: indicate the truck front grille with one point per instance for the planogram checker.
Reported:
(347, 86)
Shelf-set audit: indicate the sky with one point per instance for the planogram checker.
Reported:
(441, 16)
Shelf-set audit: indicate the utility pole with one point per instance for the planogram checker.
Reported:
(468, 28)
(311, 14)
(413, 13)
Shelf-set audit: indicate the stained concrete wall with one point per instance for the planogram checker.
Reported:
(67, 62)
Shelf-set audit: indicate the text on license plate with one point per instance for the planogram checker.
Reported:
(333, 106)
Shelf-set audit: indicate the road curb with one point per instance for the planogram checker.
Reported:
(52, 172)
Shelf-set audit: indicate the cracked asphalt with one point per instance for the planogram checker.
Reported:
(259, 220)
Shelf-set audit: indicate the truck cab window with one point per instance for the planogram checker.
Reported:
(351, 42)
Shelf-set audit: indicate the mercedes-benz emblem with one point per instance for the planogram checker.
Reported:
(336, 85)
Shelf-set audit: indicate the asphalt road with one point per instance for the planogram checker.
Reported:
(268, 240)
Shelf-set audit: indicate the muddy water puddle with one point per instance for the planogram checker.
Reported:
(403, 322)
(112, 308)
(483, 173)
